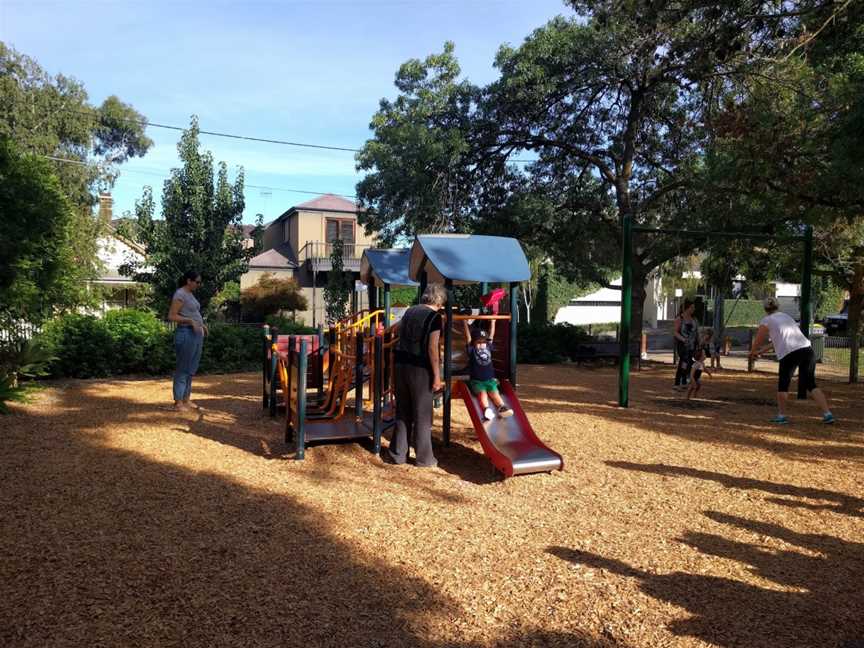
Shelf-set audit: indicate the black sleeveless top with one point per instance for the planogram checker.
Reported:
(416, 325)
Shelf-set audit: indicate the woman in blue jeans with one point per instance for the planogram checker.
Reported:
(188, 338)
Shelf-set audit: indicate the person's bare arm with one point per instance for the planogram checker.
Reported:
(467, 330)
(434, 339)
(492, 331)
(678, 335)
(759, 342)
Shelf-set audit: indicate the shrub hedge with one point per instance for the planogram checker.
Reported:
(130, 341)
(540, 343)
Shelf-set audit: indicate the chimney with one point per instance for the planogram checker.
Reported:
(106, 204)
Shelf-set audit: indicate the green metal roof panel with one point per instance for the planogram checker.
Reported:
(385, 267)
(468, 258)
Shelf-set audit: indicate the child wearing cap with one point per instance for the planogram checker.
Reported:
(481, 372)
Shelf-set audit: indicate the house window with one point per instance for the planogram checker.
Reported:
(340, 229)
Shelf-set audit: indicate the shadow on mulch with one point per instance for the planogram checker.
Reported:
(839, 502)
(467, 464)
(727, 612)
(746, 426)
(111, 548)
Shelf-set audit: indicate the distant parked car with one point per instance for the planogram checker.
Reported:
(837, 324)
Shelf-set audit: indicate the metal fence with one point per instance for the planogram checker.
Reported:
(835, 357)
(17, 331)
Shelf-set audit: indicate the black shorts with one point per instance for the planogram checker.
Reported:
(697, 375)
(805, 361)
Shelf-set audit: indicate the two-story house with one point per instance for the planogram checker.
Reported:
(299, 243)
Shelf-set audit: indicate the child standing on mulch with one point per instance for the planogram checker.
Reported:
(482, 374)
(711, 347)
(696, 373)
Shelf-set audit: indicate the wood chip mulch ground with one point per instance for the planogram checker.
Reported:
(123, 523)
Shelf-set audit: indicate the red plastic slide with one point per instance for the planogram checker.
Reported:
(510, 443)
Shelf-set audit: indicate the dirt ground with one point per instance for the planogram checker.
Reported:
(674, 524)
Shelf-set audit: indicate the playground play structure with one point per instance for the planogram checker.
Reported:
(340, 384)
(628, 229)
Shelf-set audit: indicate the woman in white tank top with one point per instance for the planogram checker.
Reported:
(794, 352)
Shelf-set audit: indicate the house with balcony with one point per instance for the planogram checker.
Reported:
(298, 244)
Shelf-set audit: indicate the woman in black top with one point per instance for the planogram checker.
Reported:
(686, 341)
(418, 376)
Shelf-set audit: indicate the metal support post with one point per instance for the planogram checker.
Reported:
(378, 394)
(300, 432)
(422, 288)
(514, 322)
(358, 375)
(448, 368)
(807, 282)
(265, 366)
(274, 363)
(387, 321)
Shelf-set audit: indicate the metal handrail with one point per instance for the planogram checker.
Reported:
(320, 250)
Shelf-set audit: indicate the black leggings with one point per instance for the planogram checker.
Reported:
(805, 361)
(685, 362)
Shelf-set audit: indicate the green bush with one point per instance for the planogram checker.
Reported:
(541, 343)
(135, 342)
(142, 344)
(81, 345)
(288, 326)
(231, 348)
(402, 296)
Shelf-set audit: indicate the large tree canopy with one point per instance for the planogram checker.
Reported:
(619, 105)
(417, 180)
(50, 117)
(200, 228)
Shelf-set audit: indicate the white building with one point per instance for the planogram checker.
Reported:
(600, 307)
(604, 306)
(118, 290)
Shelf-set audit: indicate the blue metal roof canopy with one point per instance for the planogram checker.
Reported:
(385, 267)
(468, 258)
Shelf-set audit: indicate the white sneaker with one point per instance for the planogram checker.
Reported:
(489, 414)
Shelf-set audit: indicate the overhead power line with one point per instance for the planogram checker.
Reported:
(166, 175)
(249, 138)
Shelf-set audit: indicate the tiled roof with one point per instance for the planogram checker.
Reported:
(282, 256)
(329, 202)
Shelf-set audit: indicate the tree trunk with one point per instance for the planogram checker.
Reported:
(637, 309)
(856, 301)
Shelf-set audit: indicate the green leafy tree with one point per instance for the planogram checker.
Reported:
(614, 104)
(200, 228)
(227, 301)
(258, 235)
(51, 117)
(416, 180)
(270, 296)
(787, 146)
(37, 256)
(337, 292)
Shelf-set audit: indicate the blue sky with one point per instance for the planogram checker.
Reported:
(299, 71)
